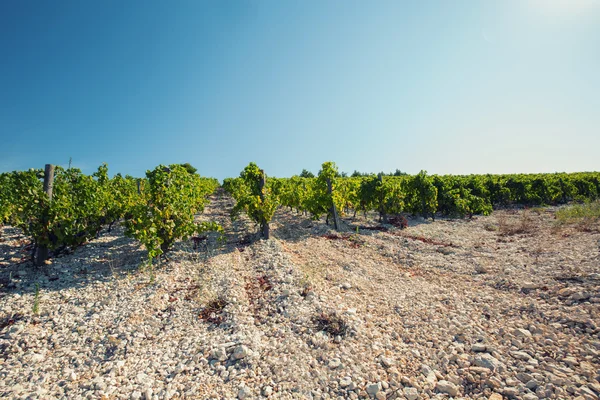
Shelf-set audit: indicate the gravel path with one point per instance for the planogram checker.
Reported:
(498, 307)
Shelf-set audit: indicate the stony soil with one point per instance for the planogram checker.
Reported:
(499, 307)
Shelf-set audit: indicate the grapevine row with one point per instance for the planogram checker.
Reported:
(156, 210)
(422, 194)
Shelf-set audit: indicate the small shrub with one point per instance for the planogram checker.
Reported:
(332, 324)
(585, 216)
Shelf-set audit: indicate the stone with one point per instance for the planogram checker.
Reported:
(570, 361)
(345, 382)
(532, 384)
(524, 377)
(244, 392)
(519, 332)
(530, 396)
(240, 352)
(411, 393)
(267, 391)
(373, 388)
(580, 296)
(489, 362)
(334, 363)
(479, 347)
(219, 354)
(494, 382)
(447, 387)
(386, 362)
(136, 395)
(495, 396)
(520, 355)
(529, 286)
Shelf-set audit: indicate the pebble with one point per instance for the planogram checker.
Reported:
(244, 392)
(267, 391)
(240, 352)
(478, 347)
(373, 388)
(489, 362)
(519, 332)
(447, 387)
(411, 393)
(438, 333)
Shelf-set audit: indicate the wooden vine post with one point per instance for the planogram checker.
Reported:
(41, 254)
(264, 225)
(333, 211)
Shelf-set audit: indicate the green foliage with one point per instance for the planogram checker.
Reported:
(259, 203)
(588, 212)
(451, 195)
(75, 214)
(320, 200)
(306, 174)
(293, 192)
(456, 196)
(189, 168)
(166, 214)
(423, 195)
(7, 199)
(381, 195)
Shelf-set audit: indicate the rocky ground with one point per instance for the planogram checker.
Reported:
(499, 307)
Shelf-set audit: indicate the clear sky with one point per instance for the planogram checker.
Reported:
(448, 86)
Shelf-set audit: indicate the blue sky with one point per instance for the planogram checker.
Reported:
(451, 87)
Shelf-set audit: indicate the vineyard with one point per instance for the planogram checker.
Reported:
(387, 287)
(159, 209)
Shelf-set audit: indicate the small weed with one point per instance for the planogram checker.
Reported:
(399, 221)
(355, 240)
(331, 323)
(490, 227)
(375, 228)
(306, 289)
(306, 285)
(264, 283)
(537, 210)
(213, 312)
(36, 300)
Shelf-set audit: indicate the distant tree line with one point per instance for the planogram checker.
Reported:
(307, 174)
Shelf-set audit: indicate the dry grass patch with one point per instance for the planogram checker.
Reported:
(332, 324)
(213, 312)
(522, 225)
(584, 217)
